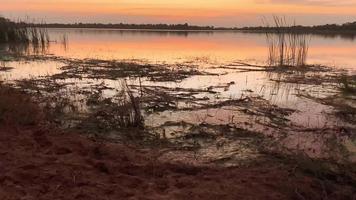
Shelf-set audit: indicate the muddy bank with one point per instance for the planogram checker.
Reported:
(176, 101)
(45, 164)
(39, 161)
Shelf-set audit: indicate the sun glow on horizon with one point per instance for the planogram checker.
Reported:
(201, 12)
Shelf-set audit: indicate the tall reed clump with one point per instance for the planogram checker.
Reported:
(22, 33)
(12, 32)
(285, 47)
(128, 110)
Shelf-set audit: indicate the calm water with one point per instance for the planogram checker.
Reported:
(209, 50)
(163, 46)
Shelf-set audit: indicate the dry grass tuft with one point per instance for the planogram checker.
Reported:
(286, 48)
(128, 110)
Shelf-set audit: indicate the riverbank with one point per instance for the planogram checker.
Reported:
(42, 162)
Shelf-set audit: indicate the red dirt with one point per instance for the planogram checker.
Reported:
(40, 164)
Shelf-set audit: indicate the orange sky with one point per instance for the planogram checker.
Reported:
(202, 12)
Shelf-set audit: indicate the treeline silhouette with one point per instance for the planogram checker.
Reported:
(185, 26)
(328, 28)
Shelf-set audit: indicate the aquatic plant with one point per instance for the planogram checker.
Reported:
(11, 32)
(64, 41)
(22, 33)
(348, 84)
(286, 48)
(128, 110)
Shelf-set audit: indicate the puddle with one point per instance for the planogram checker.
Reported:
(29, 69)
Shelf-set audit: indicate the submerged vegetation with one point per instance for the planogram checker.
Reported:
(348, 84)
(122, 111)
(49, 163)
(286, 49)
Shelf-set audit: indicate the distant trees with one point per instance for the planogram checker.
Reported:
(185, 26)
(333, 28)
(347, 27)
(327, 28)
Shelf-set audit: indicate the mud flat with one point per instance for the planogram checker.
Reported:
(178, 130)
(39, 161)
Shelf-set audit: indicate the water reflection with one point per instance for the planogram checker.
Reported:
(213, 52)
(180, 33)
(344, 36)
(25, 48)
(177, 46)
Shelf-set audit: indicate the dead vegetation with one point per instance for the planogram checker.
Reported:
(341, 95)
(122, 111)
(348, 84)
(82, 94)
(25, 150)
(17, 108)
(114, 70)
(23, 39)
(285, 48)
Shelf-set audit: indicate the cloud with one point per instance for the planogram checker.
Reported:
(311, 2)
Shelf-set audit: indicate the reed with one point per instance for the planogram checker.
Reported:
(286, 48)
(10, 32)
(20, 32)
(64, 41)
(128, 110)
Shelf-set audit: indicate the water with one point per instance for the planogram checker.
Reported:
(215, 52)
(219, 46)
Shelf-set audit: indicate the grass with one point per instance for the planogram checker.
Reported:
(12, 32)
(120, 112)
(128, 111)
(19, 32)
(285, 48)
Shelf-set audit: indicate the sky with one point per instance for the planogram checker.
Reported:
(228, 13)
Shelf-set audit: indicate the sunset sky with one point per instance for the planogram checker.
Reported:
(201, 12)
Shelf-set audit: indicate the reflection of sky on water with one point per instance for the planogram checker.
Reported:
(163, 46)
(207, 49)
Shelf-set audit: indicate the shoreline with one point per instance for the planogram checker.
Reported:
(39, 161)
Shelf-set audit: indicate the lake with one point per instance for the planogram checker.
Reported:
(224, 66)
(173, 46)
